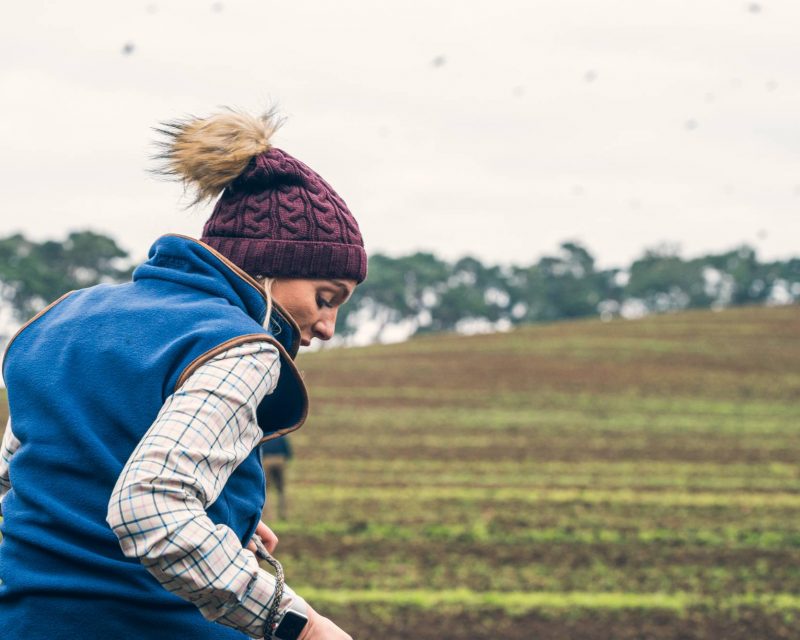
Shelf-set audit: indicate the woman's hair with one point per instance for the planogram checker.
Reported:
(267, 283)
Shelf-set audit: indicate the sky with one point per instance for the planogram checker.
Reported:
(494, 129)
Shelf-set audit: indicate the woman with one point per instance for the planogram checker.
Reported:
(130, 477)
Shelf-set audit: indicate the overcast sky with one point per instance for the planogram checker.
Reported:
(497, 129)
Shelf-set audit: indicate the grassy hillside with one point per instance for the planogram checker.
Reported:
(632, 479)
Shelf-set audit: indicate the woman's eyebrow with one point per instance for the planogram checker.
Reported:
(345, 290)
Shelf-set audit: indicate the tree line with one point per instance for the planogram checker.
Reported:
(421, 293)
(429, 294)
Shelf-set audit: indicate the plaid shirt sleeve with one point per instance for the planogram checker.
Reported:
(7, 449)
(157, 509)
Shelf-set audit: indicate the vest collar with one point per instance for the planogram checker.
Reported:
(184, 260)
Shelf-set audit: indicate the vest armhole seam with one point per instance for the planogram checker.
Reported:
(215, 351)
(38, 315)
(285, 360)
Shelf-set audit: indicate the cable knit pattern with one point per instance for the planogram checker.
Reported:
(280, 218)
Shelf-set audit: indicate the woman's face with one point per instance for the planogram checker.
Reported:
(313, 304)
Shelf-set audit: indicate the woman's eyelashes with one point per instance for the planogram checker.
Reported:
(323, 303)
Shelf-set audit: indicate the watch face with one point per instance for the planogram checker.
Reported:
(291, 625)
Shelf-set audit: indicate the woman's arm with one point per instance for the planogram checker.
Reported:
(157, 509)
(7, 449)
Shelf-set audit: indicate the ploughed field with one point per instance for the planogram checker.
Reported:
(631, 479)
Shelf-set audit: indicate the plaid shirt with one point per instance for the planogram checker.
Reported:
(157, 508)
(7, 449)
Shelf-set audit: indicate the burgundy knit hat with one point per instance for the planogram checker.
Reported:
(280, 218)
(276, 216)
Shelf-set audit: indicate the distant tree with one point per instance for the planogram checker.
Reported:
(458, 302)
(33, 274)
(664, 281)
(566, 285)
(750, 282)
(472, 291)
(784, 279)
(789, 270)
(397, 289)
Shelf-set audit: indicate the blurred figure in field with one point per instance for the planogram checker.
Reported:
(274, 456)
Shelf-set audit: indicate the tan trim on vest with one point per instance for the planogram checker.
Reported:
(283, 432)
(253, 283)
(235, 342)
(34, 319)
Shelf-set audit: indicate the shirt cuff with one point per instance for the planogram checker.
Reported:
(250, 614)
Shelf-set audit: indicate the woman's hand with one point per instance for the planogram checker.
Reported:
(267, 536)
(321, 628)
(318, 627)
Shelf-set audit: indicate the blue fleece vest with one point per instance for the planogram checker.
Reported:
(86, 379)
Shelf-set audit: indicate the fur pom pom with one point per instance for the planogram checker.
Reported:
(207, 154)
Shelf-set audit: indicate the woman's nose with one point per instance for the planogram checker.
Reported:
(325, 327)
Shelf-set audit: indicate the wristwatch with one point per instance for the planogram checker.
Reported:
(291, 626)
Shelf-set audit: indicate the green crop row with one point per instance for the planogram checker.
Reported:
(478, 532)
(515, 603)
(579, 402)
(512, 475)
(547, 421)
(628, 470)
(400, 495)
